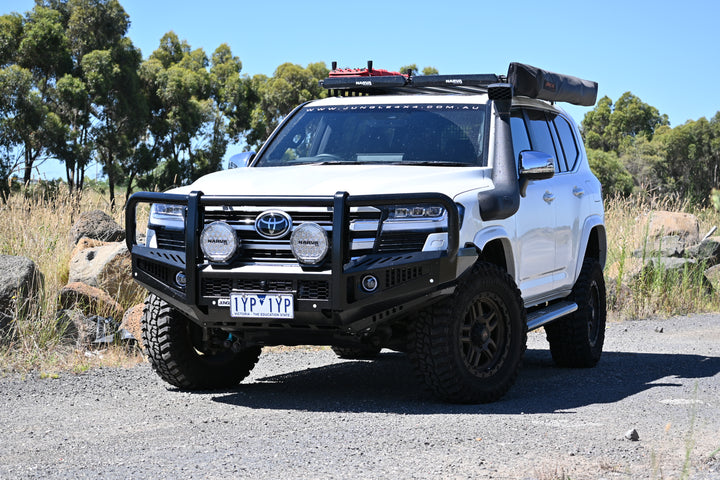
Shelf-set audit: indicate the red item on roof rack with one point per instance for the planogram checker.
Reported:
(361, 72)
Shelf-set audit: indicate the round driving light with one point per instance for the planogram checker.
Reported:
(218, 241)
(309, 243)
(369, 283)
(181, 279)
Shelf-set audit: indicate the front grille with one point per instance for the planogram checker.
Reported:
(306, 289)
(256, 249)
(402, 242)
(362, 234)
(313, 290)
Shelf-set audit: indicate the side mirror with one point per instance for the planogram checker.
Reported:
(534, 166)
(241, 160)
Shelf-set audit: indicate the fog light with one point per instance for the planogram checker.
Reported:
(181, 279)
(369, 283)
(309, 243)
(218, 242)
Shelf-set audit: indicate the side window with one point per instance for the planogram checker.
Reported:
(540, 136)
(567, 139)
(520, 138)
(561, 163)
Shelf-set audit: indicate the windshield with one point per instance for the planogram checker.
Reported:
(412, 134)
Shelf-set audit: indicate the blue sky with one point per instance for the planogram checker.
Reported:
(665, 52)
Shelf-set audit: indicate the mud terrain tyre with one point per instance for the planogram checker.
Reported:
(576, 341)
(468, 348)
(361, 352)
(171, 341)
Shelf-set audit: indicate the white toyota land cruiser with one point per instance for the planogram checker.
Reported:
(444, 216)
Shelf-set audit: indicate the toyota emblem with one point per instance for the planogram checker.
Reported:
(273, 224)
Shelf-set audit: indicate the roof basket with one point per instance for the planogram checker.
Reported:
(527, 81)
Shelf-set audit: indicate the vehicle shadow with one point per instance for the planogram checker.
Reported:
(388, 385)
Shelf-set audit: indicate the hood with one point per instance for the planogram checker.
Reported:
(329, 179)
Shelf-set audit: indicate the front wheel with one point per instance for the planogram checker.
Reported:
(174, 349)
(468, 348)
(577, 340)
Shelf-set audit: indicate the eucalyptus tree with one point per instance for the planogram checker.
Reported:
(289, 86)
(42, 50)
(119, 108)
(197, 106)
(177, 83)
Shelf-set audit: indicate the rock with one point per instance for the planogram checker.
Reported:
(76, 327)
(671, 263)
(108, 267)
(84, 243)
(684, 225)
(96, 225)
(19, 280)
(89, 300)
(667, 246)
(672, 270)
(632, 435)
(707, 251)
(713, 276)
(132, 321)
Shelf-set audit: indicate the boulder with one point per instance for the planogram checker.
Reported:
(76, 327)
(132, 321)
(96, 225)
(89, 300)
(674, 269)
(713, 276)
(707, 251)
(108, 267)
(20, 279)
(667, 246)
(84, 243)
(684, 225)
(671, 263)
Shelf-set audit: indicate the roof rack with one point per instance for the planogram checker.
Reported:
(526, 80)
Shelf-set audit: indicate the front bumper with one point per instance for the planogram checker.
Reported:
(327, 299)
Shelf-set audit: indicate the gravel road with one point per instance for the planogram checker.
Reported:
(305, 414)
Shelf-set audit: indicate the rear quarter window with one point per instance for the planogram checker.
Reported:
(567, 139)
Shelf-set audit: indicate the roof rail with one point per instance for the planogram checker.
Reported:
(527, 81)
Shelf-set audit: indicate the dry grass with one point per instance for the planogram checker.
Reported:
(36, 225)
(657, 293)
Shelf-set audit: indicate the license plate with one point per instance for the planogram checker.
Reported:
(257, 305)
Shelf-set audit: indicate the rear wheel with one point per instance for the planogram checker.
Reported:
(468, 348)
(577, 340)
(175, 351)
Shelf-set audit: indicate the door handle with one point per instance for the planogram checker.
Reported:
(578, 192)
(548, 197)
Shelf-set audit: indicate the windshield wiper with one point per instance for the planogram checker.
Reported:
(435, 164)
(333, 162)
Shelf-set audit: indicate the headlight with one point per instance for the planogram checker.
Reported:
(309, 243)
(402, 213)
(163, 210)
(167, 215)
(218, 242)
(415, 218)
